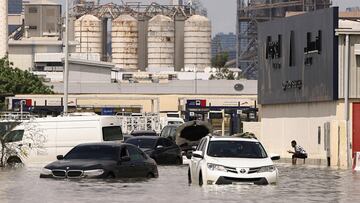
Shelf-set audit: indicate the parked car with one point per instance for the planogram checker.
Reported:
(144, 133)
(43, 138)
(169, 131)
(231, 160)
(102, 160)
(162, 150)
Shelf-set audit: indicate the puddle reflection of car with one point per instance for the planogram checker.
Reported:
(102, 160)
(231, 160)
(162, 150)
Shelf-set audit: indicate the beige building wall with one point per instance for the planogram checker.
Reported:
(280, 124)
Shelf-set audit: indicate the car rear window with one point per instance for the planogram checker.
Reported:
(112, 133)
(236, 149)
(145, 143)
(93, 152)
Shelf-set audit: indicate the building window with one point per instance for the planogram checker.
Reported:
(292, 49)
(127, 76)
(33, 10)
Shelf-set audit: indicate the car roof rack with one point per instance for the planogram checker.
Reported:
(248, 135)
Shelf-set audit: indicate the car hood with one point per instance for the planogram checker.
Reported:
(240, 162)
(80, 164)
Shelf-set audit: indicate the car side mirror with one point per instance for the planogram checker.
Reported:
(159, 147)
(59, 157)
(125, 158)
(198, 154)
(274, 157)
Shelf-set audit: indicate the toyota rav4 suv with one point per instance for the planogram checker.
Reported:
(231, 160)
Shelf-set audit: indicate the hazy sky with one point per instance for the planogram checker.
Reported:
(222, 13)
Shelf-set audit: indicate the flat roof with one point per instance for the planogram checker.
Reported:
(188, 87)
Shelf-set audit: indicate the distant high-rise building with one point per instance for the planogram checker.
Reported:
(15, 10)
(224, 43)
(353, 9)
(176, 2)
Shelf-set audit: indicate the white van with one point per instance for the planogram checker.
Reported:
(40, 140)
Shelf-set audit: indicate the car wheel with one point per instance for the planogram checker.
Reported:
(13, 161)
(150, 175)
(110, 175)
(178, 161)
(189, 176)
(200, 179)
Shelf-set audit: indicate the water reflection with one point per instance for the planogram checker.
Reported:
(296, 183)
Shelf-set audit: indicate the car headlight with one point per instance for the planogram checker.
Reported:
(215, 167)
(264, 169)
(93, 173)
(46, 171)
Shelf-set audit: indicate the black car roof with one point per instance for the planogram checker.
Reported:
(143, 132)
(107, 143)
(144, 137)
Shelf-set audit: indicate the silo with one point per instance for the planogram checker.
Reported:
(125, 42)
(161, 42)
(197, 42)
(88, 34)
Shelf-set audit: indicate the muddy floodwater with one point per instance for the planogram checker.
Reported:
(296, 184)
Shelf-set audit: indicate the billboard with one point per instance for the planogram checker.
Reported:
(298, 58)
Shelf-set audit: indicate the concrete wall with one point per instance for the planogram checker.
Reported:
(22, 54)
(354, 75)
(280, 124)
(253, 127)
(85, 72)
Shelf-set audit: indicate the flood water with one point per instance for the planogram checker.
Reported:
(296, 184)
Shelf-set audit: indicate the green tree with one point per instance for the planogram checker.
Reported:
(223, 74)
(220, 60)
(15, 81)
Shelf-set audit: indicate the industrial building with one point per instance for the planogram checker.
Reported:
(252, 12)
(133, 37)
(308, 85)
(224, 43)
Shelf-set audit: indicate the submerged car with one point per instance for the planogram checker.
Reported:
(102, 160)
(162, 150)
(231, 160)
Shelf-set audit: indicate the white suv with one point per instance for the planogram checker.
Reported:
(231, 160)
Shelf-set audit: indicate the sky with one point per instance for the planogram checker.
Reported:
(222, 13)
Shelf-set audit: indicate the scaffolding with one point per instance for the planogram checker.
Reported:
(252, 12)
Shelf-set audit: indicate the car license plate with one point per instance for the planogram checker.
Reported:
(243, 183)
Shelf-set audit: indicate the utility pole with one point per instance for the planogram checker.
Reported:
(66, 59)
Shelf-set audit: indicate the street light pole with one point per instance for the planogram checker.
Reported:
(66, 60)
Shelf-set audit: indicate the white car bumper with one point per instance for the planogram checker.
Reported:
(221, 177)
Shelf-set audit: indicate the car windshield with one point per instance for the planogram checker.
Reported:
(168, 131)
(93, 152)
(236, 149)
(112, 133)
(143, 143)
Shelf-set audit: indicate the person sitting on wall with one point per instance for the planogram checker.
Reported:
(298, 153)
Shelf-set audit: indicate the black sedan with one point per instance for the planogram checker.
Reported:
(102, 160)
(162, 150)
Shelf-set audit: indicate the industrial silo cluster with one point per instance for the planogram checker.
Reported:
(157, 42)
